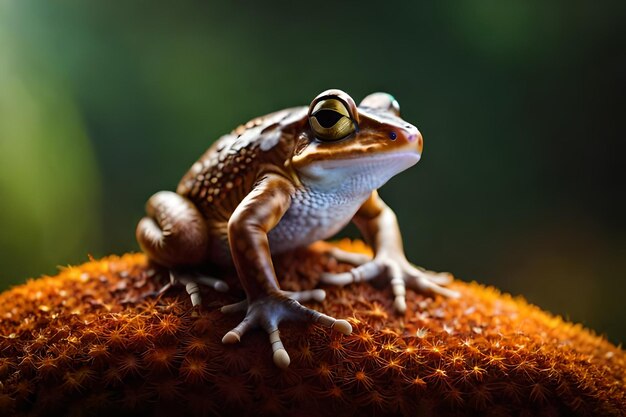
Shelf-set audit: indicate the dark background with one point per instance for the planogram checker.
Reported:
(521, 105)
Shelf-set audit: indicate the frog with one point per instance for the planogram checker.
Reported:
(284, 181)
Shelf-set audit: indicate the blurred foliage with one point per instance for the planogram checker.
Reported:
(520, 104)
(49, 184)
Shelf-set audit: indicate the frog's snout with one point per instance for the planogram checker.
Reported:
(410, 138)
(416, 138)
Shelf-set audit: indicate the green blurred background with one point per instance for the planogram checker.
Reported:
(521, 105)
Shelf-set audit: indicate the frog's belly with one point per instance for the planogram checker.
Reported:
(313, 216)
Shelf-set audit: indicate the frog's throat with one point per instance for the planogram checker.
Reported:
(361, 174)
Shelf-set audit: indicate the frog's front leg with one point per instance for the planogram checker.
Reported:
(379, 227)
(267, 305)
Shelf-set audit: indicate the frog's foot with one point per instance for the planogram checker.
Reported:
(192, 285)
(269, 311)
(400, 273)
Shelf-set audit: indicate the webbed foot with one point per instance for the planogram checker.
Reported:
(269, 311)
(400, 272)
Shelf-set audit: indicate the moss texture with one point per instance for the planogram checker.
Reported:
(94, 340)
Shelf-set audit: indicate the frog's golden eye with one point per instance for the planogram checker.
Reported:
(330, 120)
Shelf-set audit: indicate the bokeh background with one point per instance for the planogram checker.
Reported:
(521, 105)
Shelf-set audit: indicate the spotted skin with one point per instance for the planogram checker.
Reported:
(284, 181)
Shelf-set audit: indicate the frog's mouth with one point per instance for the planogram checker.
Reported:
(398, 160)
(371, 170)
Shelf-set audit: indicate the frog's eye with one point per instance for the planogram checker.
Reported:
(330, 120)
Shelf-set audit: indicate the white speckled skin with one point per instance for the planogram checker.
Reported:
(313, 216)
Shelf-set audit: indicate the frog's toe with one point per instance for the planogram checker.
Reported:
(217, 284)
(431, 282)
(280, 356)
(339, 325)
(363, 272)
(317, 294)
(439, 278)
(234, 335)
(352, 258)
(398, 288)
(193, 290)
(418, 279)
(302, 313)
(235, 307)
(192, 286)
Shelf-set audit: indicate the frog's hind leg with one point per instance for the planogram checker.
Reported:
(174, 233)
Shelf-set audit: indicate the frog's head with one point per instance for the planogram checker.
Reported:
(341, 141)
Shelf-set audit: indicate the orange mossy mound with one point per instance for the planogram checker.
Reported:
(93, 340)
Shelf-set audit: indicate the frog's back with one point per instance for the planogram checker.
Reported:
(228, 170)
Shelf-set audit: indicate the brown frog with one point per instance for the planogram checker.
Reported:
(284, 181)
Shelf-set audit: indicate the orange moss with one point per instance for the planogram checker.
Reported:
(94, 340)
